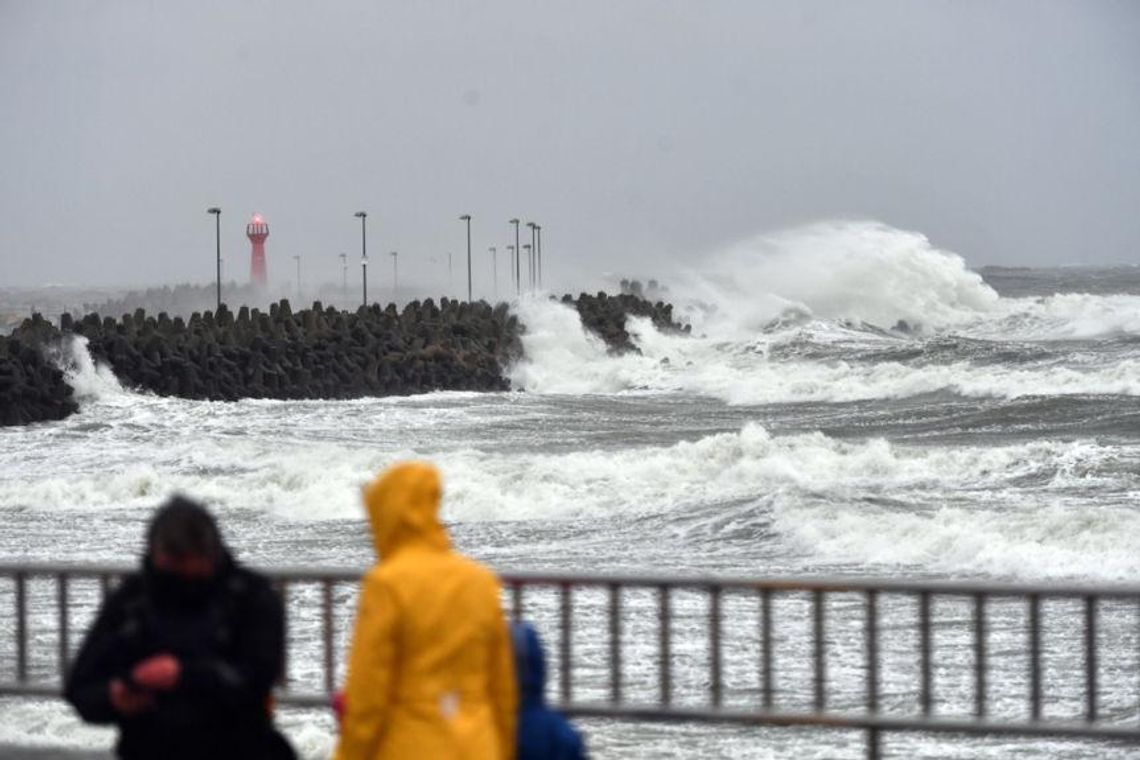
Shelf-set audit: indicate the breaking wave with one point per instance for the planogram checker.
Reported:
(819, 315)
(862, 272)
(89, 379)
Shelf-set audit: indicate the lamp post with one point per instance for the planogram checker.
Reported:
(530, 258)
(529, 248)
(494, 272)
(467, 218)
(217, 212)
(511, 258)
(344, 274)
(298, 260)
(518, 266)
(538, 252)
(395, 272)
(362, 215)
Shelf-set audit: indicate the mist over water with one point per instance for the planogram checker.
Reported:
(852, 400)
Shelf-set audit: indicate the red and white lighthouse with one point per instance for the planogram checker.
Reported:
(257, 230)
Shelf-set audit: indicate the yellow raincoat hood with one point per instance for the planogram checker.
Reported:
(403, 508)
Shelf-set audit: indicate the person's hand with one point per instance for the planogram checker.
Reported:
(127, 701)
(160, 673)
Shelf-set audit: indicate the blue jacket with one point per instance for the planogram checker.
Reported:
(543, 733)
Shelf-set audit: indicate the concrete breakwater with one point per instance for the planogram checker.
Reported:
(309, 354)
(32, 388)
(313, 353)
(606, 316)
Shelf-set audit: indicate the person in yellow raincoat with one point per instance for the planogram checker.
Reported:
(431, 672)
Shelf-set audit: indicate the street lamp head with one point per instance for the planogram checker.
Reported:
(493, 249)
(526, 246)
(510, 248)
(465, 218)
(530, 224)
(513, 221)
(213, 210)
(361, 214)
(393, 253)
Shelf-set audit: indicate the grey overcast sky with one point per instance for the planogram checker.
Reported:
(635, 131)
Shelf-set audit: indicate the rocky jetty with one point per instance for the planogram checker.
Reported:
(32, 388)
(310, 354)
(606, 316)
(315, 353)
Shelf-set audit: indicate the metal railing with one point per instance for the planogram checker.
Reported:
(722, 665)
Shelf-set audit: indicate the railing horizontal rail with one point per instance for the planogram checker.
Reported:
(1056, 729)
(838, 584)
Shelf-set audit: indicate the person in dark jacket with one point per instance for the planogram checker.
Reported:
(543, 734)
(184, 653)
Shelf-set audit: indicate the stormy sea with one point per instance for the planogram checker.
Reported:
(852, 401)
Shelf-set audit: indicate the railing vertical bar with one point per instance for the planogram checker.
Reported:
(819, 677)
(21, 627)
(664, 671)
(1035, 656)
(714, 646)
(1090, 658)
(872, 640)
(62, 611)
(283, 592)
(516, 600)
(926, 689)
(564, 649)
(980, 655)
(327, 635)
(615, 643)
(873, 749)
(766, 646)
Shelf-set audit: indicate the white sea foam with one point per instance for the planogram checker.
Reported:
(824, 492)
(1042, 540)
(1062, 316)
(562, 359)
